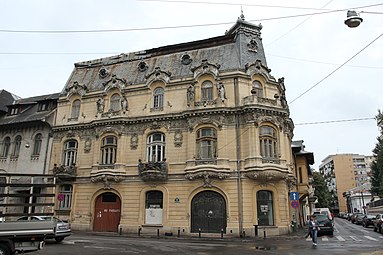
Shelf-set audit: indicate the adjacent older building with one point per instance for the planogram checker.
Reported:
(25, 148)
(191, 137)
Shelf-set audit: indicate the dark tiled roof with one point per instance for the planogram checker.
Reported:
(6, 98)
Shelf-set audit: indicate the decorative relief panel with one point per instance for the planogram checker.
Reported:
(178, 138)
(134, 141)
(76, 88)
(207, 177)
(115, 82)
(158, 75)
(206, 68)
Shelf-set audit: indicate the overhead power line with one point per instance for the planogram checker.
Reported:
(336, 69)
(173, 27)
(333, 121)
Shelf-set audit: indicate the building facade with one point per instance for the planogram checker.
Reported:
(345, 172)
(191, 137)
(25, 148)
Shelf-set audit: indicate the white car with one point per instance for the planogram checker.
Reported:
(62, 228)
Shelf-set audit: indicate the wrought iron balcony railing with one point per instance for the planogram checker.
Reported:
(153, 171)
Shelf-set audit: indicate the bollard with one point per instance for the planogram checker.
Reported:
(139, 231)
(120, 232)
(199, 233)
(244, 234)
(158, 233)
(255, 230)
(179, 232)
(221, 233)
(264, 233)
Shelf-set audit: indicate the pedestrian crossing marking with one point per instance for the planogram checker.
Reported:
(324, 239)
(371, 238)
(340, 238)
(355, 239)
(380, 236)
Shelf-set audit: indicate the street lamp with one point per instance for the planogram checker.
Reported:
(353, 19)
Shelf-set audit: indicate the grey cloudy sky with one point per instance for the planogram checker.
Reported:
(302, 48)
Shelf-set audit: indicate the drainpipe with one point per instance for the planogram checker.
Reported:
(238, 152)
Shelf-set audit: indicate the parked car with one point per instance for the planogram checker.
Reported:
(378, 223)
(358, 220)
(62, 228)
(326, 225)
(324, 211)
(354, 215)
(368, 220)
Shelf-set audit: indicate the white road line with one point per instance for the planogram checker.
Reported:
(325, 239)
(355, 239)
(371, 238)
(340, 238)
(365, 231)
(380, 236)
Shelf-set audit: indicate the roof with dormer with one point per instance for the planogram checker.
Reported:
(238, 48)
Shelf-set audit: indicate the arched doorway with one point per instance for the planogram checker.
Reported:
(107, 213)
(208, 212)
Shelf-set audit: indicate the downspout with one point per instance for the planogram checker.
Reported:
(238, 152)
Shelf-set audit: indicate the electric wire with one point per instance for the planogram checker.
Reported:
(336, 69)
(333, 121)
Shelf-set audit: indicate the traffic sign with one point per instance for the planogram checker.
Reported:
(295, 204)
(60, 197)
(294, 196)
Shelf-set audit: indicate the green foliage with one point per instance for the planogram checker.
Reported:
(321, 191)
(377, 164)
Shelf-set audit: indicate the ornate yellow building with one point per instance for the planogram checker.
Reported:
(191, 137)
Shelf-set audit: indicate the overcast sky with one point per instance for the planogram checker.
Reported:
(302, 48)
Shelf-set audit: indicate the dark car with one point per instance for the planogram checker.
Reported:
(354, 216)
(358, 220)
(325, 224)
(378, 222)
(368, 220)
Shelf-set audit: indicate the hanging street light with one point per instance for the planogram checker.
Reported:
(353, 19)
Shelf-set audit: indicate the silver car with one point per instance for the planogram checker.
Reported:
(62, 228)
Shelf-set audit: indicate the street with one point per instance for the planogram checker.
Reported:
(348, 239)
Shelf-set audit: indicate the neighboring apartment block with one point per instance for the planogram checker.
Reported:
(343, 172)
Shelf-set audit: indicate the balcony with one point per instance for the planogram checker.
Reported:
(65, 173)
(153, 171)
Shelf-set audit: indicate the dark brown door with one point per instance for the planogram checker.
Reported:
(208, 212)
(107, 213)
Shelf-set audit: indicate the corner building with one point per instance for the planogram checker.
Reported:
(192, 136)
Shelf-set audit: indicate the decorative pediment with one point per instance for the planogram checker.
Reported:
(205, 68)
(207, 176)
(258, 68)
(76, 88)
(114, 82)
(158, 75)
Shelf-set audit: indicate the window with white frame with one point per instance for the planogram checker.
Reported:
(37, 144)
(115, 102)
(257, 89)
(109, 150)
(6, 146)
(206, 143)
(16, 146)
(158, 98)
(76, 109)
(156, 147)
(70, 153)
(268, 142)
(65, 202)
(207, 90)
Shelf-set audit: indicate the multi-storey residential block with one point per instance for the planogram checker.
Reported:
(191, 137)
(344, 172)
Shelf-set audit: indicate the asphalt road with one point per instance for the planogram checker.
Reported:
(348, 239)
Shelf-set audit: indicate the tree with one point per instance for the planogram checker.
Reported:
(321, 191)
(377, 163)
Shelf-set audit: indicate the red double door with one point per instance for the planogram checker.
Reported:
(107, 213)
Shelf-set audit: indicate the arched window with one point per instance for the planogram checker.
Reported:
(109, 150)
(265, 209)
(70, 153)
(6, 146)
(268, 142)
(206, 143)
(207, 90)
(257, 89)
(37, 144)
(76, 109)
(115, 102)
(158, 98)
(66, 202)
(156, 147)
(16, 147)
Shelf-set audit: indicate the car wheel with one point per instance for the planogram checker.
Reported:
(59, 239)
(375, 229)
(363, 225)
(380, 230)
(4, 250)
